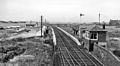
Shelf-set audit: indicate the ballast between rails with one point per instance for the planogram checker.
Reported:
(70, 53)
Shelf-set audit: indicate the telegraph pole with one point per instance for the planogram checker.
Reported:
(41, 24)
(99, 18)
(81, 22)
(45, 21)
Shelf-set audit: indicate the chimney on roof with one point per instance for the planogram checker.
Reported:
(103, 25)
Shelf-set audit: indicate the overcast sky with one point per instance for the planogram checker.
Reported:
(59, 10)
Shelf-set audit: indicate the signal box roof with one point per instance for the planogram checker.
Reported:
(92, 28)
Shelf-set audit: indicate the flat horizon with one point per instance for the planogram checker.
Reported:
(59, 10)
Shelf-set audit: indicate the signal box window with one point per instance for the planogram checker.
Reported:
(94, 36)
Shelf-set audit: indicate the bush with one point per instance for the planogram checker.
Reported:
(20, 51)
(49, 41)
(10, 52)
(11, 55)
(116, 52)
(19, 45)
(20, 39)
(4, 58)
(11, 48)
(2, 50)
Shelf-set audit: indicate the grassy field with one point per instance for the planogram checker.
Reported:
(35, 46)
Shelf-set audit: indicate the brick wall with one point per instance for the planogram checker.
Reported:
(102, 36)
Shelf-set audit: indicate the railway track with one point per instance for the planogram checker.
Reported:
(84, 53)
(71, 54)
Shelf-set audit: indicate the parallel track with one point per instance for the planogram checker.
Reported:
(71, 54)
